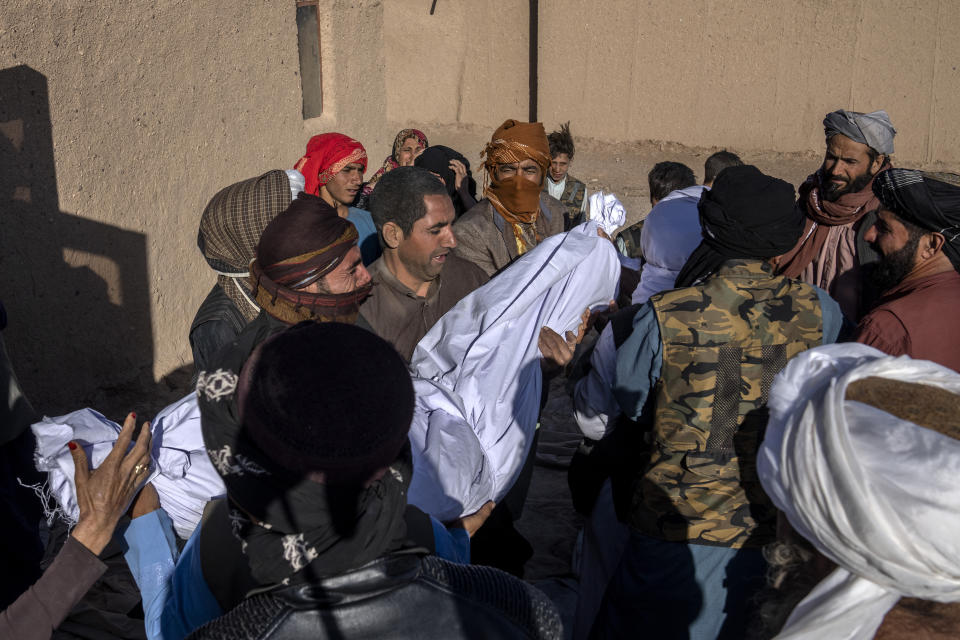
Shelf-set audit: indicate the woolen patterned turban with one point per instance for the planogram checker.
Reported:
(298, 248)
(304, 243)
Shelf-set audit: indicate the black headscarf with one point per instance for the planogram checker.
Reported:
(292, 526)
(926, 200)
(745, 215)
(436, 159)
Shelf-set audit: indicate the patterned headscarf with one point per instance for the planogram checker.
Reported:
(517, 199)
(230, 229)
(392, 161)
(326, 155)
(926, 200)
(300, 246)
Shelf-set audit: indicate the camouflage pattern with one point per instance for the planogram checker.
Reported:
(572, 199)
(723, 342)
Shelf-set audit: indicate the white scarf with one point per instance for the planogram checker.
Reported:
(876, 494)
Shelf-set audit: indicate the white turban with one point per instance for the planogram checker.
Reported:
(607, 211)
(876, 494)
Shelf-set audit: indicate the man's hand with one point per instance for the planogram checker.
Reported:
(602, 315)
(558, 352)
(474, 521)
(459, 171)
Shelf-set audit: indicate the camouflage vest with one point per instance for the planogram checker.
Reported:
(723, 342)
(572, 199)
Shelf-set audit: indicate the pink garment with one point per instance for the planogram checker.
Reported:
(836, 269)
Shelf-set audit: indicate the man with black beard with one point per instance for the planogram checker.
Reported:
(839, 203)
(917, 234)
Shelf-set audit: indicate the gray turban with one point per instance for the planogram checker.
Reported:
(872, 129)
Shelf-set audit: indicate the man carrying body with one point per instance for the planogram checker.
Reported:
(916, 235)
(560, 184)
(514, 215)
(693, 366)
(838, 201)
(418, 278)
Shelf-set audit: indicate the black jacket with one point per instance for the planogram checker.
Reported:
(400, 595)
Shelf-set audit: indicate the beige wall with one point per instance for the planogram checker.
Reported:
(746, 75)
(118, 122)
(467, 63)
(752, 75)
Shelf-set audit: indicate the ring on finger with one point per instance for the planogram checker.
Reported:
(137, 470)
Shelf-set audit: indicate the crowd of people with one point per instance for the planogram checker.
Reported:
(764, 379)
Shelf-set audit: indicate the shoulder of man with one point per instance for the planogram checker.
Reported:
(476, 216)
(464, 271)
(554, 210)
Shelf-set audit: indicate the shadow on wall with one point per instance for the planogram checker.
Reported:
(76, 290)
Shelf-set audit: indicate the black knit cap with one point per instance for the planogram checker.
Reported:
(327, 397)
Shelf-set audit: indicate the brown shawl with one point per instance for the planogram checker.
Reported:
(821, 215)
(292, 306)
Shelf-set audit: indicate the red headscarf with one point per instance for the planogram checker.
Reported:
(326, 155)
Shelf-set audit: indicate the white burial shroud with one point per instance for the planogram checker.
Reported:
(477, 371)
(876, 494)
(180, 469)
(476, 374)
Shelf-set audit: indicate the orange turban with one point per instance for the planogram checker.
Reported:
(517, 199)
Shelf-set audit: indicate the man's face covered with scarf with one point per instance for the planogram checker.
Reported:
(516, 160)
(308, 265)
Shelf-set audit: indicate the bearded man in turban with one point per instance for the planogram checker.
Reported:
(839, 206)
(514, 216)
(917, 234)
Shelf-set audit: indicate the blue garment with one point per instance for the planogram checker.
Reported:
(369, 240)
(174, 601)
(677, 590)
(176, 598)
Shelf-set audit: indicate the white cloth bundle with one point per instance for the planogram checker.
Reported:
(180, 469)
(876, 494)
(607, 211)
(477, 371)
(670, 234)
